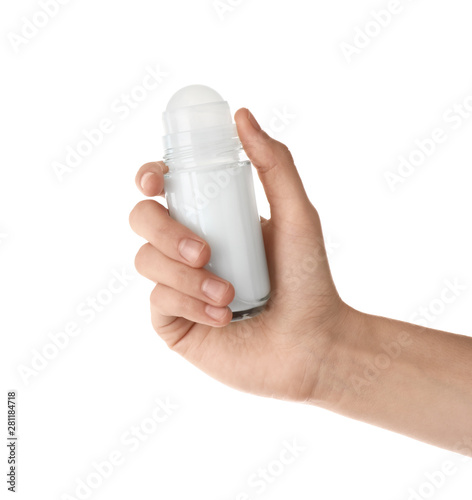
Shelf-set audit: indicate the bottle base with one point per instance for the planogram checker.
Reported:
(247, 313)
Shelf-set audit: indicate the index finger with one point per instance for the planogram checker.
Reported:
(150, 178)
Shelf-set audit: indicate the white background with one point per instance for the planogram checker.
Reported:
(390, 250)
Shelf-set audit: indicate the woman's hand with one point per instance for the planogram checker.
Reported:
(307, 345)
(280, 353)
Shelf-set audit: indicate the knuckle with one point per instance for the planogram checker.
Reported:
(147, 167)
(312, 215)
(132, 218)
(140, 208)
(156, 296)
(284, 151)
(144, 206)
(184, 275)
(230, 294)
(174, 304)
(186, 303)
(141, 258)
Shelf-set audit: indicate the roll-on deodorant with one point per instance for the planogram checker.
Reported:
(209, 188)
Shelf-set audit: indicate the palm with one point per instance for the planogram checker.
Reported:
(277, 353)
(271, 354)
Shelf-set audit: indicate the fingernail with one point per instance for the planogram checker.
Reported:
(253, 121)
(190, 249)
(214, 289)
(145, 178)
(217, 313)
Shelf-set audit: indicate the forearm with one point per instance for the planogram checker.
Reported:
(403, 377)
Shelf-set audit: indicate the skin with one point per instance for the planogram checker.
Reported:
(307, 345)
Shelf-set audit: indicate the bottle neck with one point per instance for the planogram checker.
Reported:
(208, 147)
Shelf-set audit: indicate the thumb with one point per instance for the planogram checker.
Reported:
(275, 167)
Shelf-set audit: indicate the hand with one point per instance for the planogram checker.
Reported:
(282, 352)
(307, 345)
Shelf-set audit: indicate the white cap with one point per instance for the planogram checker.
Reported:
(196, 120)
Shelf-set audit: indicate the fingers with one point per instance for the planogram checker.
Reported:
(174, 258)
(151, 220)
(198, 283)
(168, 303)
(150, 178)
(274, 163)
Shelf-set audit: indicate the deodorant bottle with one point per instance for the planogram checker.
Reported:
(209, 188)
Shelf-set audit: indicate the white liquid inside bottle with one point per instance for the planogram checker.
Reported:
(209, 188)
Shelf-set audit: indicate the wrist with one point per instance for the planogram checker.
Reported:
(399, 376)
(347, 339)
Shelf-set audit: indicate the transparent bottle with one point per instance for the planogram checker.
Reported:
(209, 188)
